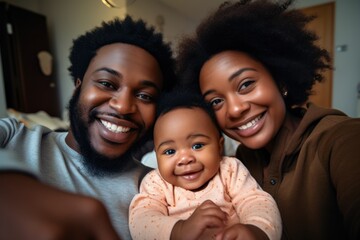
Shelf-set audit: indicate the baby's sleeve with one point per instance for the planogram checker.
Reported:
(253, 205)
(148, 212)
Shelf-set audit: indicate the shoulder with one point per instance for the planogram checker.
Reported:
(337, 126)
(10, 127)
(153, 179)
(232, 166)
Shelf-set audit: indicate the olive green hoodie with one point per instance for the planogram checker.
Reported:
(313, 174)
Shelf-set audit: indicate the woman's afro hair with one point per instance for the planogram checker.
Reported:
(269, 32)
(134, 32)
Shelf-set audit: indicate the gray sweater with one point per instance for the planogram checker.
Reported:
(44, 154)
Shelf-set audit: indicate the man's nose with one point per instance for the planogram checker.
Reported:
(123, 102)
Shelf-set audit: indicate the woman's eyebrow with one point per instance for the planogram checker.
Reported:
(239, 72)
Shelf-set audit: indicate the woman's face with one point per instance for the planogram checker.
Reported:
(247, 102)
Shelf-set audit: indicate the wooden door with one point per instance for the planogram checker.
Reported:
(23, 35)
(323, 25)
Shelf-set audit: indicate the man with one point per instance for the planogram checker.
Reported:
(57, 185)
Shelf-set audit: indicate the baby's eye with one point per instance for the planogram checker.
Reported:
(169, 152)
(197, 146)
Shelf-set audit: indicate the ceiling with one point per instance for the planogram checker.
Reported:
(193, 9)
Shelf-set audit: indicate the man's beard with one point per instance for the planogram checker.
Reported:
(95, 163)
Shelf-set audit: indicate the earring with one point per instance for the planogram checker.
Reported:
(285, 93)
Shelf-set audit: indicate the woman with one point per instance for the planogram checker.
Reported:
(256, 64)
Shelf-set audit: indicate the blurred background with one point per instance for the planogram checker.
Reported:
(36, 36)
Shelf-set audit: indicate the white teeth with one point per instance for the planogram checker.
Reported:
(250, 124)
(115, 128)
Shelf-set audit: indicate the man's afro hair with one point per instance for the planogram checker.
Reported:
(134, 32)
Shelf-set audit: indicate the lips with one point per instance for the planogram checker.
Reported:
(251, 127)
(250, 124)
(190, 175)
(114, 128)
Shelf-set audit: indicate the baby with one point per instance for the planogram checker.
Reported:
(196, 193)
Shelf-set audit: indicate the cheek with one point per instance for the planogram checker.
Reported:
(221, 117)
(147, 114)
(90, 96)
(165, 169)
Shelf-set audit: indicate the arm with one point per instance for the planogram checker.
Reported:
(149, 215)
(343, 153)
(257, 210)
(31, 210)
(207, 216)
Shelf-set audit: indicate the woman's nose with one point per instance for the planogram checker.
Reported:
(123, 102)
(236, 106)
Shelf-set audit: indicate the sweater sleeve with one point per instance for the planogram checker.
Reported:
(10, 159)
(342, 148)
(148, 213)
(253, 205)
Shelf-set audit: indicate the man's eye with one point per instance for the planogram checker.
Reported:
(107, 84)
(145, 97)
(169, 151)
(197, 146)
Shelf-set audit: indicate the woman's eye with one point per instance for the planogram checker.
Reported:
(245, 85)
(169, 151)
(197, 146)
(215, 102)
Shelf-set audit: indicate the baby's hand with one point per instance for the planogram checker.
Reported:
(241, 232)
(207, 215)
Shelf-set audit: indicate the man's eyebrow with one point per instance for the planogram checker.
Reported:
(239, 72)
(117, 74)
(109, 70)
(149, 83)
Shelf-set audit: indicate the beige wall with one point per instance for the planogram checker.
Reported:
(68, 18)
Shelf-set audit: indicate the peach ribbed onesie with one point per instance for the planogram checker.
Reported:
(159, 205)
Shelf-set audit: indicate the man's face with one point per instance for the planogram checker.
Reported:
(114, 105)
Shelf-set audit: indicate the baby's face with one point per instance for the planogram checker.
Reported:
(188, 147)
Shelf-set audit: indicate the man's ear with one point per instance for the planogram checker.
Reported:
(78, 83)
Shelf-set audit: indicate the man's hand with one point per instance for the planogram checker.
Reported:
(207, 216)
(31, 210)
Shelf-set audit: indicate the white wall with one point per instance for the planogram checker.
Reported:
(69, 18)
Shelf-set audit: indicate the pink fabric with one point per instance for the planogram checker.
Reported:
(159, 205)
